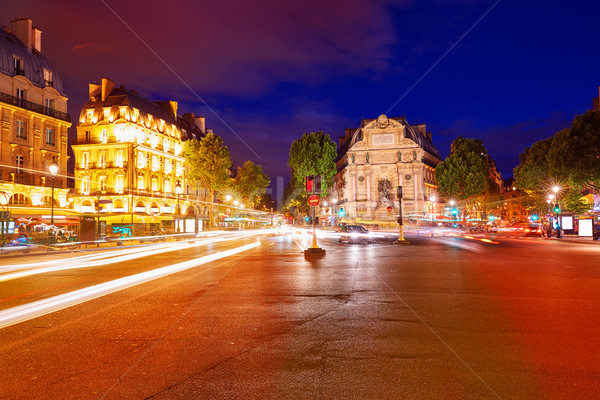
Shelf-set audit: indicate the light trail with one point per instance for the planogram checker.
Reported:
(20, 271)
(36, 309)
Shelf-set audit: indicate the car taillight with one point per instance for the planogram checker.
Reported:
(539, 231)
(526, 230)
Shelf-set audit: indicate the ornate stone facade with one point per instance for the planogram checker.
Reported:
(374, 160)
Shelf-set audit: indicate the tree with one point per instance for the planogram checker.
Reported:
(251, 182)
(533, 167)
(464, 175)
(313, 154)
(208, 163)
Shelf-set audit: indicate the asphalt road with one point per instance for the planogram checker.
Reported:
(439, 318)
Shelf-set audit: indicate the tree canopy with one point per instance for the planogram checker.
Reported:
(313, 154)
(250, 182)
(465, 173)
(569, 159)
(208, 164)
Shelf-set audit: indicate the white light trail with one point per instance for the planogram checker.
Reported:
(36, 309)
(23, 270)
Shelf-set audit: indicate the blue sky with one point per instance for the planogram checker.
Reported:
(265, 72)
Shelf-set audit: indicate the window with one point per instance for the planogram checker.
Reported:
(102, 184)
(122, 112)
(20, 164)
(88, 136)
(168, 166)
(49, 105)
(47, 77)
(154, 163)
(104, 136)
(21, 134)
(85, 185)
(154, 184)
(106, 113)
(179, 169)
(85, 159)
(89, 114)
(20, 97)
(140, 184)
(119, 158)
(166, 145)
(120, 184)
(102, 159)
(177, 149)
(141, 160)
(167, 186)
(18, 64)
(50, 136)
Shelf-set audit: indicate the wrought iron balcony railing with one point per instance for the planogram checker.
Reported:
(28, 105)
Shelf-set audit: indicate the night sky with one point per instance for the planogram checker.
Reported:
(265, 72)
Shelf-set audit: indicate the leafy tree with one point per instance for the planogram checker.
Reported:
(251, 182)
(575, 152)
(208, 163)
(313, 154)
(464, 175)
(534, 167)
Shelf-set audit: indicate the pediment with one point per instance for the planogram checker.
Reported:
(383, 122)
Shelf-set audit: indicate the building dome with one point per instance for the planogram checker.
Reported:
(34, 62)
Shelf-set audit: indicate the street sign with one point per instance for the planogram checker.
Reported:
(389, 208)
(313, 200)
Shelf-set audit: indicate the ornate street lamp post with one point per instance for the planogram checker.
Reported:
(53, 167)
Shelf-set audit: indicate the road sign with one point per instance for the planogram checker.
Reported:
(313, 200)
(389, 208)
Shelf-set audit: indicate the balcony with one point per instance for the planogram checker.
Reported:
(23, 178)
(28, 105)
(98, 165)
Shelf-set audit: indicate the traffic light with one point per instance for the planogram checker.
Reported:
(534, 217)
(556, 208)
(306, 218)
(309, 184)
(454, 212)
(341, 212)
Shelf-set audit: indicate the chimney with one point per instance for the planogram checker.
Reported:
(200, 123)
(36, 44)
(173, 105)
(21, 28)
(107, 87)
(94, 90)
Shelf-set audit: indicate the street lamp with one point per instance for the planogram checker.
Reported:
(53, 167)
(178, 192)
(433, 199)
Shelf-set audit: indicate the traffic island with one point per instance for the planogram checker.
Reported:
(401, 242)
(314, 252)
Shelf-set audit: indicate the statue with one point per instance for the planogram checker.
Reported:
(384, 188)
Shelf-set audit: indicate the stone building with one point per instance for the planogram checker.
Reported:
(377, 157)
(129, 160)
(33, 135)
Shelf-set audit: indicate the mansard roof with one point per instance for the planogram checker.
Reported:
(33, 62)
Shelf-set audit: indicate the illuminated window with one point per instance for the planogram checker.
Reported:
(106, 113)
(140, 184)
(141, 159)
(85, 185)
(154, 184)
(21, 134)
(166, 144)
(47, 77)
(20, 164)
(154, 162)
(167, 186)
(168, 166)
(177, 149)
(119, 159)
(122, 111)
(85, 159)
(102, 159)
(102, 184)
(89, 115)
(120, 184)
(104, 136)
(178, 169)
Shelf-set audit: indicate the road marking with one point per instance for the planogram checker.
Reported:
(36, 309)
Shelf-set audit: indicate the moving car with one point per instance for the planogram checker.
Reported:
(492, 228)
(355, 234)
(533, 230)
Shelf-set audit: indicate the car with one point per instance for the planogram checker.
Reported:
(355, 234)
(492, 228)
(533, 230)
